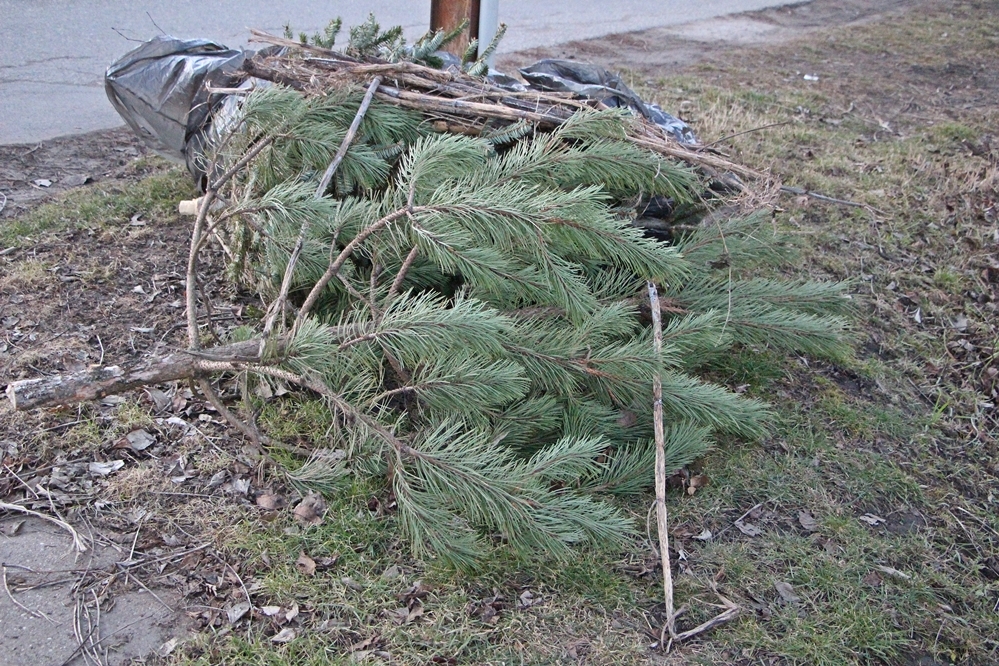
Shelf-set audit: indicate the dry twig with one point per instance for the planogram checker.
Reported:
(277, 307)
(78, 543)
(10, 595)
(662, 522)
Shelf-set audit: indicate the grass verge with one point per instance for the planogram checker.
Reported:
(871, 535)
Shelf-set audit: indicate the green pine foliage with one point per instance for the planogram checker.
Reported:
(482, 345)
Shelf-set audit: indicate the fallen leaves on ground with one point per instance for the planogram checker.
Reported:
(786, 592)
(311, 509)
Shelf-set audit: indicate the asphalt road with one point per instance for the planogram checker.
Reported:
(53, 53)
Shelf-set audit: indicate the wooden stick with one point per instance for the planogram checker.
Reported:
(732, 609)
(337, 263)
(424, 102)
(544, 108)
(731, 612)
(802, 192)
(190, 287)
(78, 543)
(401, 275)
(10, 595)
(97, 383)
(276, 308)
(662, 522)
(349, 137)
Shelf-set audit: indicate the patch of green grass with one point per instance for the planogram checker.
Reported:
(101, 206)
(498, 614)
(901, 444)
(953, 132)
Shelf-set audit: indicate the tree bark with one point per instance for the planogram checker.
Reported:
(448, 14)
(96, 383)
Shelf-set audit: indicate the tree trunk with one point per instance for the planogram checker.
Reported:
(448, 14)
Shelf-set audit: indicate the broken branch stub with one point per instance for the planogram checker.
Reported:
(97, 383)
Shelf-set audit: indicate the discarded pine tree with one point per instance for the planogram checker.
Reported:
(470, 308)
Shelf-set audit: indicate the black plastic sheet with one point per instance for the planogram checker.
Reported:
(600, 84)
(160, 90)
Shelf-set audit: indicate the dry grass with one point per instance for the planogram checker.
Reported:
(902, 119)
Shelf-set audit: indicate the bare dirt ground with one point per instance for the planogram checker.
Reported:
(109, 291)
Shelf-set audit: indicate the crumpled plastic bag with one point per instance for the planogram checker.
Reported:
(160, 90)
(597, 83)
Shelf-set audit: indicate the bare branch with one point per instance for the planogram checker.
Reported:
(657, 415)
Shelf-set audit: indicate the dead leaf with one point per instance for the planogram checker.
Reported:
(105, 468)
(269, 502)
(808, 521)
(286, 635)
(872, 579)
(627, 419)
(872, 519)
(218, 478)
(235, 613)
(310, 510)
(398, 615)
(168, 647)
(578, 649)
(171, 540)
(488, 610)
(139, 440)
(352, 584)
(263, 390)
(415, 612)
(161, 401)
(703, 536)
(179, 402)
(325, 563)
(895, 573)
(527, 599)
(696, 482)
(12, 528)
(392, 572)
(759, 605)
(786, 592)
(270, 611)
(361, 645)
(415, 592)
(748, 529)
(76, 180)
(291, 614)
(305, 564)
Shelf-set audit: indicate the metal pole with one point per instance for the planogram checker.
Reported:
(448, 15)
(488, 23)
